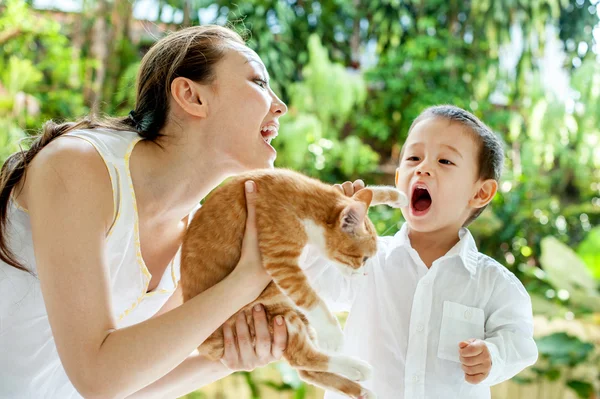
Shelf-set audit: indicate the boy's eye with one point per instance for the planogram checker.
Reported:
(446, 162)
(413, 158)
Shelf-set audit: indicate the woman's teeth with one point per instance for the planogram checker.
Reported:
(268, 133)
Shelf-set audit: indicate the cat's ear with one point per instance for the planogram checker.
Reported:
(353, 216)
(365, 195)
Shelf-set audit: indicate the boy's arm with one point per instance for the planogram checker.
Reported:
(509, 330)
(338, 291)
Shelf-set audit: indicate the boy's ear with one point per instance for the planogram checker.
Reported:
(191, 96)
(486, 191)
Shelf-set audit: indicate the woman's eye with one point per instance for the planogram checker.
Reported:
(261, 82)
(446, 162)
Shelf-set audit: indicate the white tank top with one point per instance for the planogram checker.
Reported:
(29, 362)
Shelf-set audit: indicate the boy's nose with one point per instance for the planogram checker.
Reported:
(423, 171)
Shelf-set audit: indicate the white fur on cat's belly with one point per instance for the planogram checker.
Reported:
(329, 334)
(350, 367)
(316, 237)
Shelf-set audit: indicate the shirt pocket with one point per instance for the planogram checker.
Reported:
(459, 323)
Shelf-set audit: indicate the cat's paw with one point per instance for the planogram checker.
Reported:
(330, 339)
(399, 199)
(350, 367)
(366, 394)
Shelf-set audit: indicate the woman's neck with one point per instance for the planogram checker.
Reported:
(169, 180)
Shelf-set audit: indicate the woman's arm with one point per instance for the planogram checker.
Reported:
(240, 354)
(70, 209)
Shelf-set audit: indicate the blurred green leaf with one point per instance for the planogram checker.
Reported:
(564, 349)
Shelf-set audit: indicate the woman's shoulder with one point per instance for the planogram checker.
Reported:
(67, 166)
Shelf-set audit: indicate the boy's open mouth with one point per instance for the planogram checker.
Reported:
(420, 200)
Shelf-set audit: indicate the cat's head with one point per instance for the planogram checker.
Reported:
(350, 238)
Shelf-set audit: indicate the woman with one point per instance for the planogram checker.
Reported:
(89, 240)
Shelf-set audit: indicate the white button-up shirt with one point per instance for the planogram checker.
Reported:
(406, 320)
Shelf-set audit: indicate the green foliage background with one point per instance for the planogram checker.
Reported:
(355, 73)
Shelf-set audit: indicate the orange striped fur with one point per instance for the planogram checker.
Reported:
(291, 210)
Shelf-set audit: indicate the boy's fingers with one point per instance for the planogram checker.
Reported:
(475, 379)
(474, 370)
(358, 185)
(470, 361)
(339, 187)
(473, 348)
(348, 188)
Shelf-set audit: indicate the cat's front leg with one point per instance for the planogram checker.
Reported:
(330, 336)
(290, 279)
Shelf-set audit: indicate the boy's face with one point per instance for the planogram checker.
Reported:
(439, 174)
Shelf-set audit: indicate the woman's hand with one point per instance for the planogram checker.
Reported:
(241, 353)
(249, 272)
(349, 188)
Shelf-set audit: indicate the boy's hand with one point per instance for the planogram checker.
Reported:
(475, 359)
(349, 188)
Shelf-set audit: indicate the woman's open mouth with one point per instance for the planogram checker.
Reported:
(420, 201)
(268, 133)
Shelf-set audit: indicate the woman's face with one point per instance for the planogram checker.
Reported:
(243, 110)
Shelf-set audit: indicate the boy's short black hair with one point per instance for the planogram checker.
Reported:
(491, 154)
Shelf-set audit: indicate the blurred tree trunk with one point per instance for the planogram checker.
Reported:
(100, 51)
(119, 34)
(186, 13)
(77, 41)
(355, 38)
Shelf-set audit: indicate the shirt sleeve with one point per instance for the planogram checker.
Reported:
(509, 329)
(338, 291)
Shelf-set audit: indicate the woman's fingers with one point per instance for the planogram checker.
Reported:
(280, 337)
(250, 234)
(263, 336)
(244, 341)
(231, 354)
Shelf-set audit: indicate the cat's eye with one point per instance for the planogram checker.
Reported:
(365, 259)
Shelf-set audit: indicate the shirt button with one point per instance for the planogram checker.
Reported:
(420, 327)
(416, 378)
(468, 314)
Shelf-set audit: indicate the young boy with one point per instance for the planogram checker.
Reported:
(433, 316)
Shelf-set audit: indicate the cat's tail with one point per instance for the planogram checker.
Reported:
(386, 195)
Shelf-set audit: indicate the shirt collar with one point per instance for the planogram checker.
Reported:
(465, 249)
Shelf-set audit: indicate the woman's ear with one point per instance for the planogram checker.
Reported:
(190, 96)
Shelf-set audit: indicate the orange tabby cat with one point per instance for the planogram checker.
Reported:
(291, 211)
